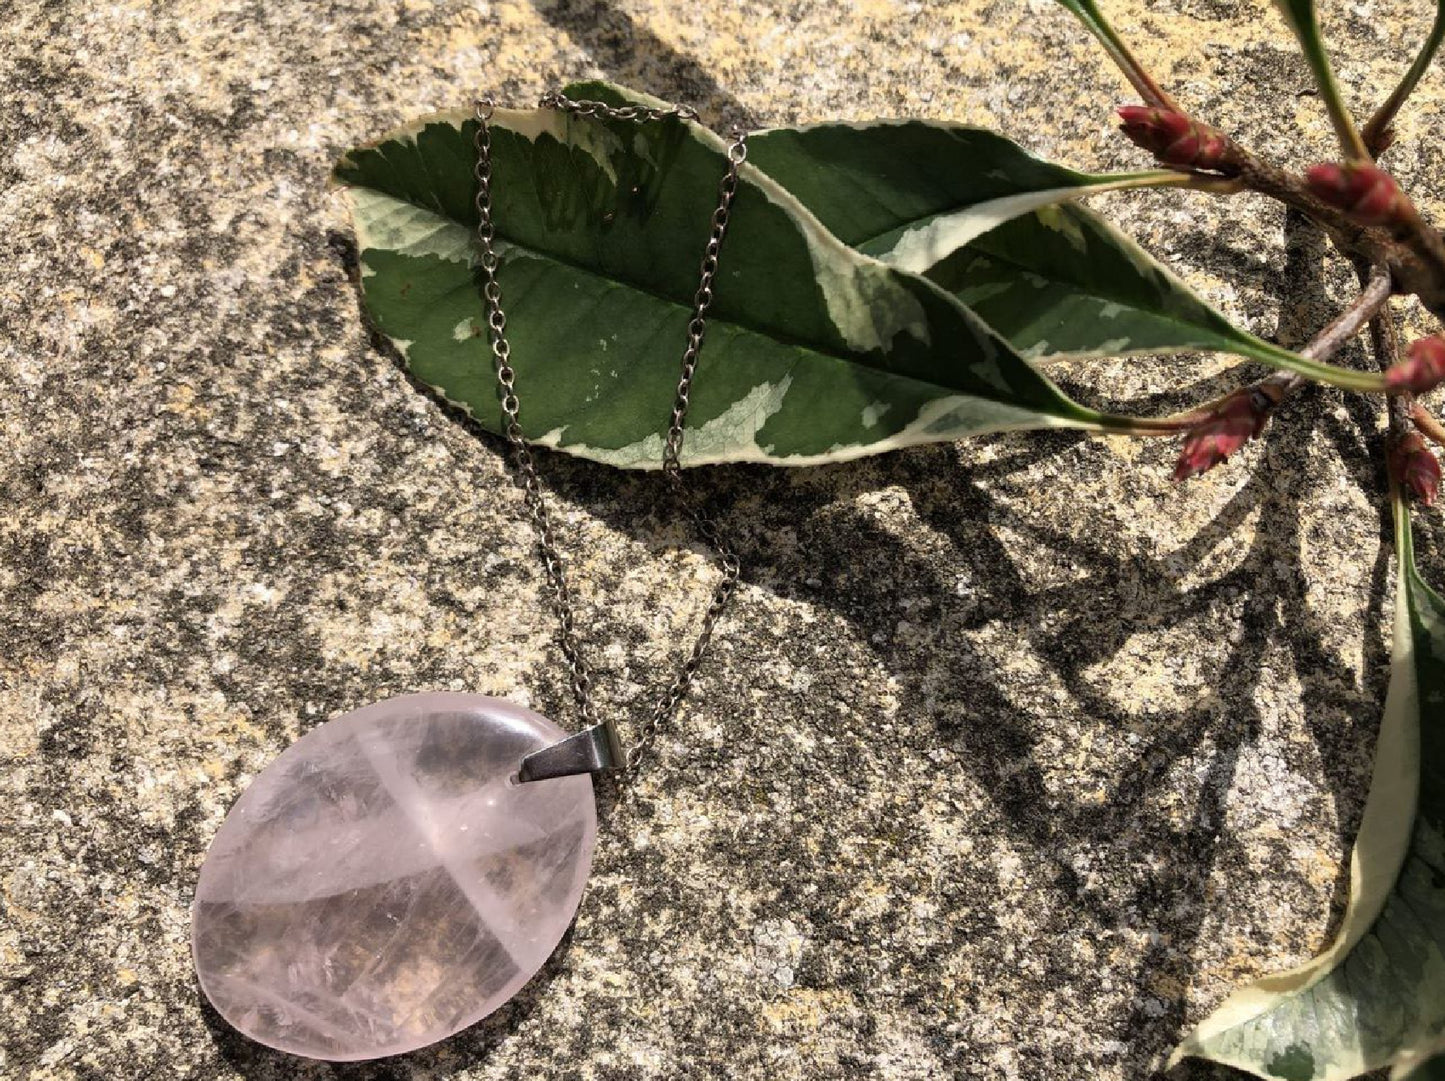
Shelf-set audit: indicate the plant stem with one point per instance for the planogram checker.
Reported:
(1277, 386)
(1376, 131)
(1138, 76)
(1161, 178)
(1416, 262)
(1300, 14)
(1143, 82)
(1177, 424)
(1425, 421)
(1344, 124)
(1329, 341)
(1385, 343)
(1363, 309)
(1415, 254)
(1280, 385)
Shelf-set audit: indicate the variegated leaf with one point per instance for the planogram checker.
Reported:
(912, 192)
(815, 352)
(991, 223)
(1376, 996)
(1428, 1065)
(1062, 282)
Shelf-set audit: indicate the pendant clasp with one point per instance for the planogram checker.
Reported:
(591, 750)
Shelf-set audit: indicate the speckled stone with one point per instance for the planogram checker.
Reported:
(1011, 758)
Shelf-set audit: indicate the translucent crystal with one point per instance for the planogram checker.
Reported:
(384, 883)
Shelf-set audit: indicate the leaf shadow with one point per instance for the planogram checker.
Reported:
(1072, 628)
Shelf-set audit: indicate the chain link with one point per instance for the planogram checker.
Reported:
(525, 463)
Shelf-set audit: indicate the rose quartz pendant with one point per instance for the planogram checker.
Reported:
(385, 883)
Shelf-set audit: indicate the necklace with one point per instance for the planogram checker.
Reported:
(401, 871)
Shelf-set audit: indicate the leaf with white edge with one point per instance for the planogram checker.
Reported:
(815, 352)
(1428, 1065)
(914, 191)
(1062, 282)
(992, 224)
(1376, 996)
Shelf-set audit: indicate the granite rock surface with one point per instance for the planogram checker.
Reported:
(1011, 758)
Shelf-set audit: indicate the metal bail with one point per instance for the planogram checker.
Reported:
(591, 750)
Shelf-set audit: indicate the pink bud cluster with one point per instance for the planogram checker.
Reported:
(1416, 467)
(1175, 139)
(1422, 369)
(1233, 423)
(1366, 193)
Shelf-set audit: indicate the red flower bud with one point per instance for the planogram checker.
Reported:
(1175, 139)
(1365, 192)
(1416, 467)
(1423, 369)
(1237, 420)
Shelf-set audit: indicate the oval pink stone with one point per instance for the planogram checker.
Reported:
(384, 884)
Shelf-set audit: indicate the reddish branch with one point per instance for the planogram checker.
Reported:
(1359, 206)
(1242, 415)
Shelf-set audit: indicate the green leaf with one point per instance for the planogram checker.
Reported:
(1063, 282)
(1376, 996)
(990, 223)
(815, 352)
(913, 191)
(1300, 15)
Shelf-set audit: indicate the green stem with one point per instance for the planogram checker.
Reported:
(1164, 178)
(1366, 308)
(1319, 372)
(1159, 178)
(1379, 124)
(1344, 378)
(1300, 14)
(1093, 19)
(1118, 424)
(1310, 361)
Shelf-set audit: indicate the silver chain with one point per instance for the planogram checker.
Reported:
(522, 457)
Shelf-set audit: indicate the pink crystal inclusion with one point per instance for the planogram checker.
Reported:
(384, 883)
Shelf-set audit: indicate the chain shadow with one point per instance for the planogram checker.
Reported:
(629, 52)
